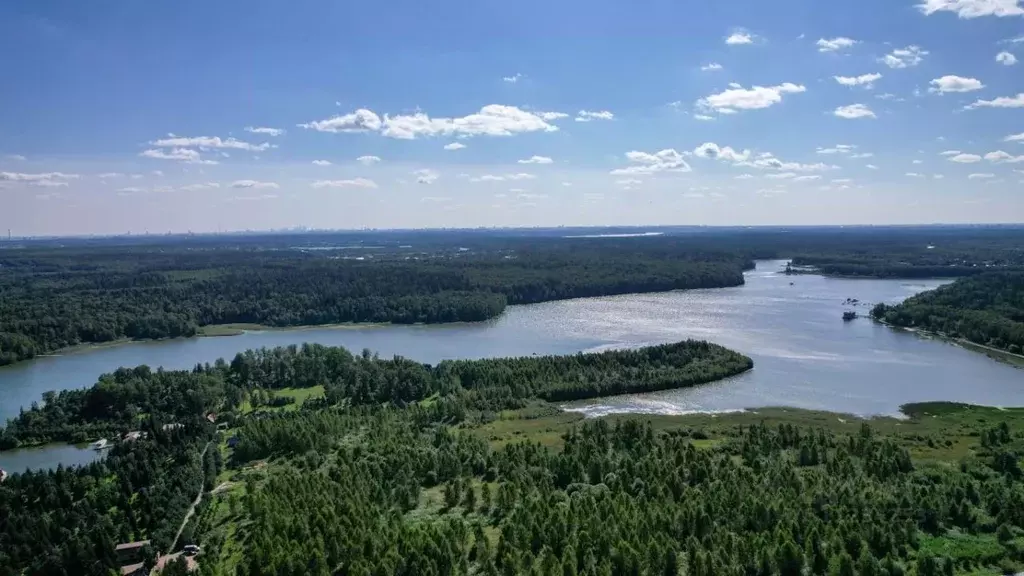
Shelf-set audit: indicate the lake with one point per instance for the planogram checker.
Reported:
(48, 456)
(804, 354)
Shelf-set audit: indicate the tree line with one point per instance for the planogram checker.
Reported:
(987, 309)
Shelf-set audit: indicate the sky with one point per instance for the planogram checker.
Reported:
(121, 116)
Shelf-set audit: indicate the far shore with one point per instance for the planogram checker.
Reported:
(995, 353)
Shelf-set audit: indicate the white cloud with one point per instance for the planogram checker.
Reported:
(513, 78)
(108, 175)
(865, 80)
(667, 160)
(715, 152)
(916, 161)
(951, 83)
(965, 158)
(1001, 156)
(1000, 102)
(854, 111)
(1014, 138)
(551, 115)
(180, 154)
(426, 176)
(938, 176)
(744, 176)
(915, 175)
(781, 175)
(711, 67)
(904, 57)
(1006, 59)
(200, 186)
(362, 120)
(454, 146)
(368, 160)
(871, 166)
(973, 8)
(16, 157)
(739, 37)
(767, 161)
(835, 44)
(807, 177)
(321, 162)
(888, 96)
(981, 176)
(703, 117)
(491, 120)
(353, 183)
(949, 153)
(536, 160)
(841, 180)
(264, 130)
(629, 182)
(588, 115)
(739, 98)
(837, 149)
(203, 142)
(862, 155)
(253, 184)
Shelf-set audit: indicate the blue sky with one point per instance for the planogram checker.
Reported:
(123, 116)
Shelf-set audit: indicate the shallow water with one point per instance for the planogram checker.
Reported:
(47, 456)
(804, 354)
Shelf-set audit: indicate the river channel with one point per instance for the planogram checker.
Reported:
(805, 355)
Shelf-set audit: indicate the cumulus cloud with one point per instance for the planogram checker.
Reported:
(807, 178)
(865, 80)
(536, 160)
(513, 78)
(837, 149)
(362, 120)
(949, 153)
(253, 184)
(767, 161)
(667, 160)
(1000, 102)
(711, 67)
(588, 115)
(755, 98)
(950, 83)
(973, 8)
(321, 162)
(1014, 138)
(715, 152)
(426, 176)
(551, 115)
(835, 44)
(502, 177)
(739, 37)
(854, 111)
(491, 120)
(1006, 59)
(180, 154)
(981, 176)
(1001, 156)
(965, 158)
(780, 175)
(904, 57)
(264, 130)
(352, 183)
(704, 117)
(368, 160)
(208, 142)
(454, 146)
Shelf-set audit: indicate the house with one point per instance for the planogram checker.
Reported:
(132, 436)
(130, 552)
(137, 569)
(211, 417)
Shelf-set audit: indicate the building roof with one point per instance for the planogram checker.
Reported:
(131, 545)
(132, 568)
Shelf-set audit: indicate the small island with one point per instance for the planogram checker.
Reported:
(849, 315)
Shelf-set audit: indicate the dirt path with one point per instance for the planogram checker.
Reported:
(192, 508)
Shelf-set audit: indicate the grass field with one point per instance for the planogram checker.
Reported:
(300, 395)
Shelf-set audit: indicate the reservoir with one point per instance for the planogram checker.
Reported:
(804, 354)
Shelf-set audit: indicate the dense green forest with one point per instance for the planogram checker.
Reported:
(115, 404)
(60, 293)
(398, 467)
(987, 309)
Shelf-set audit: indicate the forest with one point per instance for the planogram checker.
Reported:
(398, 467)
(987, 309)
(60, 293)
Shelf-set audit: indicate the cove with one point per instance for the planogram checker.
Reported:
(805, 355)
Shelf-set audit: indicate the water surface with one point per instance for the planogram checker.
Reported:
(48, 456)
(804, 354)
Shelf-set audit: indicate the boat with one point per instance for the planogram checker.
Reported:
(849, 315)
(100, 444)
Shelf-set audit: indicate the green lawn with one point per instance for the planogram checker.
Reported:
(300, 395)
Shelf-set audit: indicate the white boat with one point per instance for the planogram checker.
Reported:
(100, 444)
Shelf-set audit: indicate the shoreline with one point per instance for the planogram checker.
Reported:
(990, 351)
